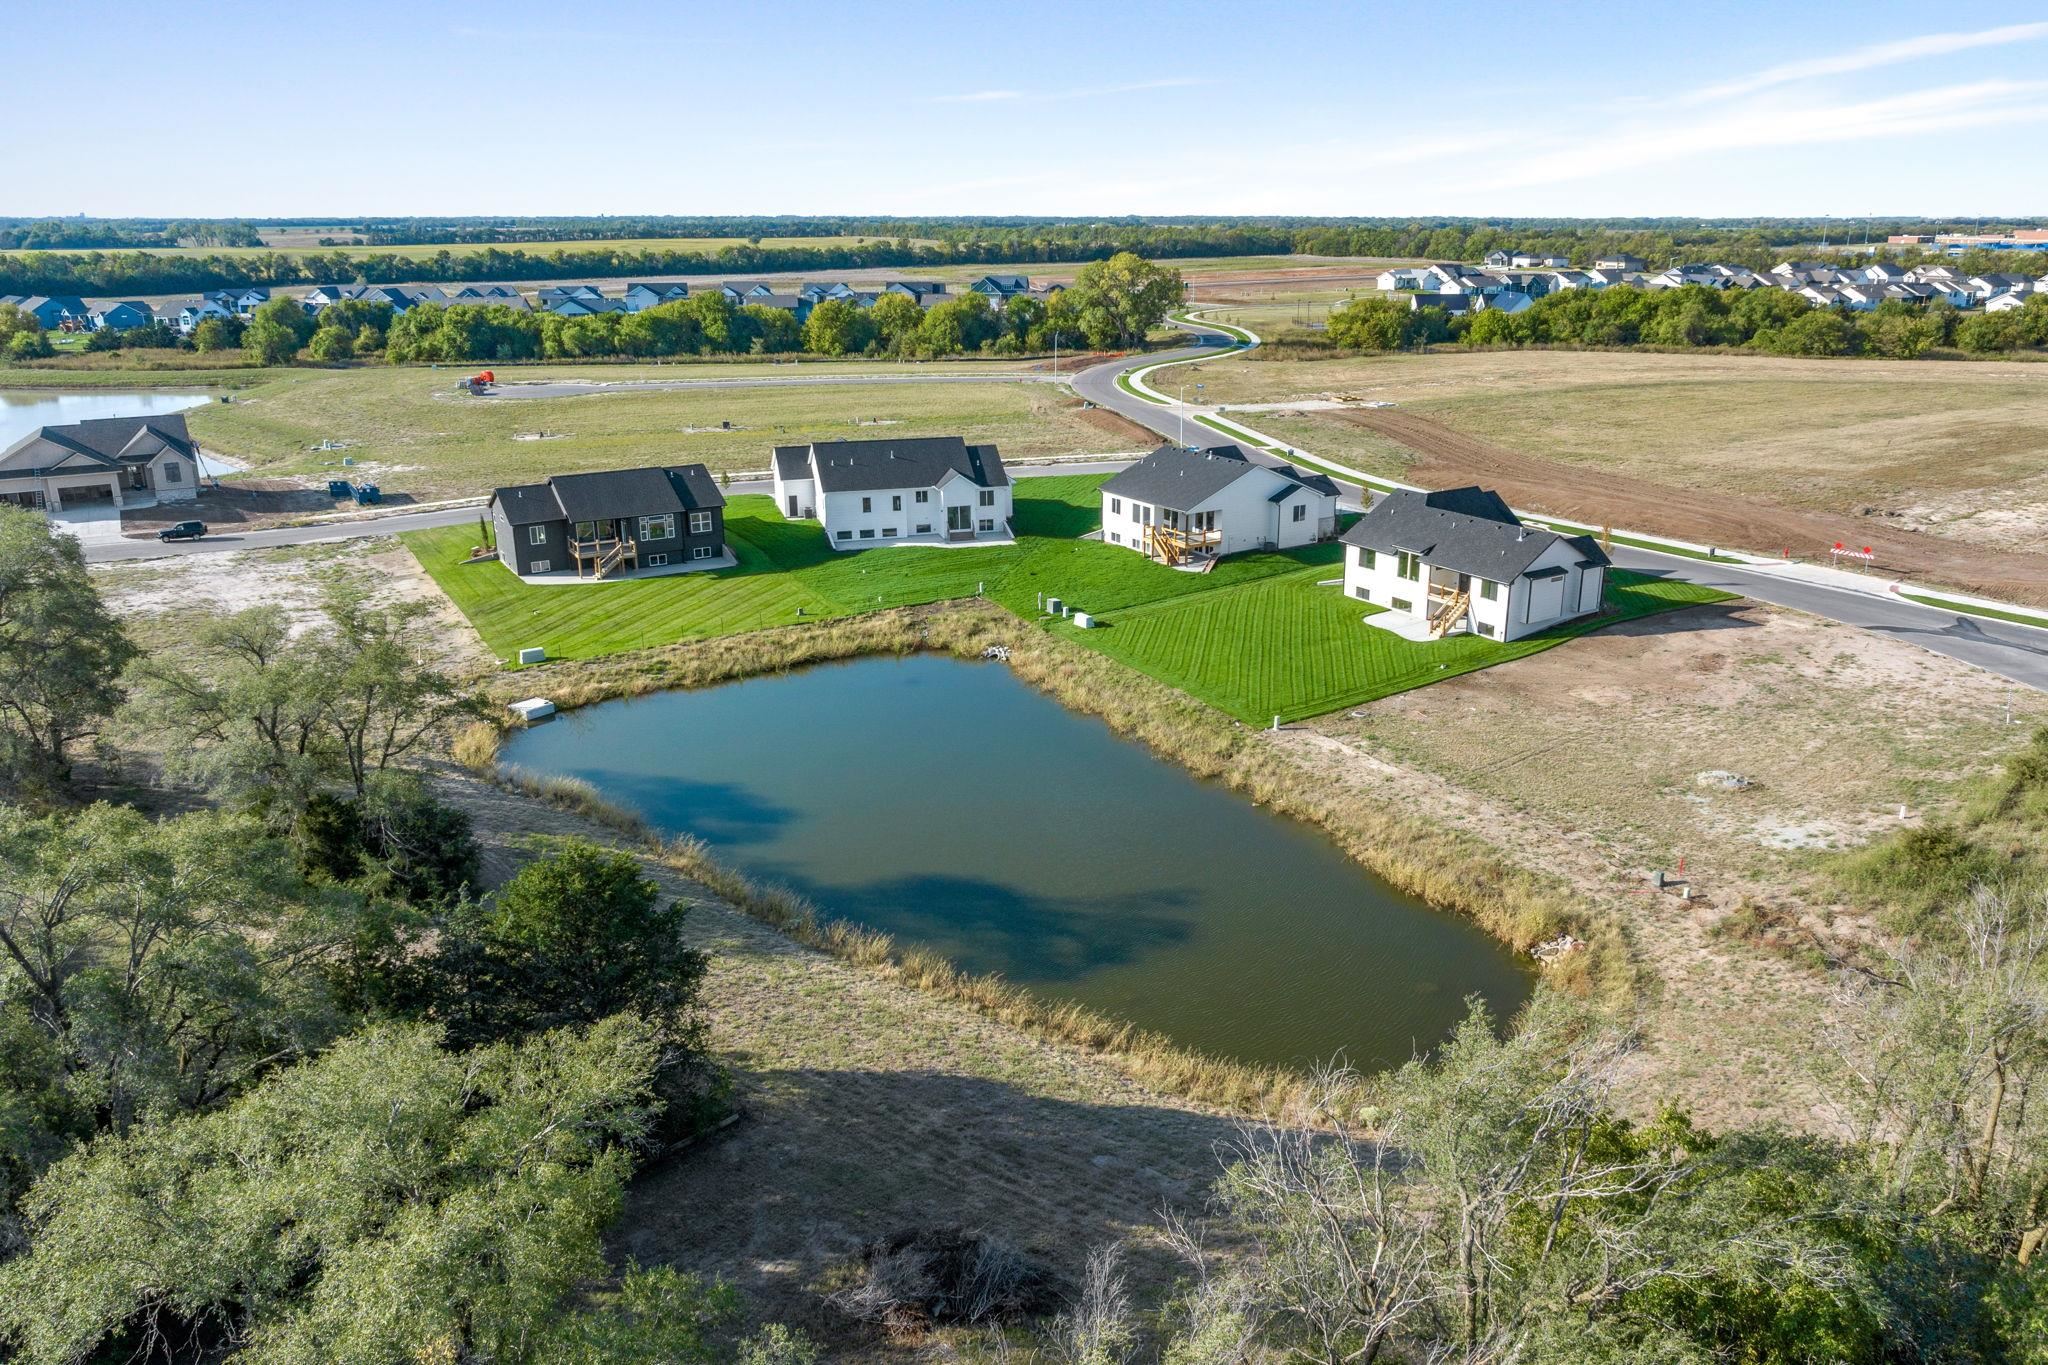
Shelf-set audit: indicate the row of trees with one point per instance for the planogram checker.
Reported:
(1113, 303)
(262, 1063)
(127, 273)
(1772, 320)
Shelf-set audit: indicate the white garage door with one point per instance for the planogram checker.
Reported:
(1546, 598)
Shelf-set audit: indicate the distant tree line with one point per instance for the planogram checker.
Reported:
(120, 234)
(1772, 320)
(110, 273)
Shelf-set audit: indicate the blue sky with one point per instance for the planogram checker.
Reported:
(911, 107)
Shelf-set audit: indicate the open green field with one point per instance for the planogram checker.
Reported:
(411, 432)
(1255, 638)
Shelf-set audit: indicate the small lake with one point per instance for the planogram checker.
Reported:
(23, 410)
(953, 806)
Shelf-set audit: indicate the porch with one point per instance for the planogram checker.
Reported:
(1184, 540)
(725, 559)
(1448, 602)
(601, 548)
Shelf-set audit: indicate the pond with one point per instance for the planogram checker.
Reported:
(951, 805)
(23, 410)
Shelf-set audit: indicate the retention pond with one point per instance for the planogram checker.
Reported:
(951, 805)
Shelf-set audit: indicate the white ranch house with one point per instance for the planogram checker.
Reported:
(109, 461)
(1195, 506)
(1458, 560)
(917, 490)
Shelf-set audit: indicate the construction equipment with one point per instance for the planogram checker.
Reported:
(1454, 611)
(479, 383)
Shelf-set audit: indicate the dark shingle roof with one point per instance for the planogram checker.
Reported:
(611, 493)
(1187, 478)
(914, 462)
(111, 440)
(1468, 530)
(793, 462)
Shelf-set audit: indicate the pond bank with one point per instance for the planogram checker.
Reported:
(1451, 870)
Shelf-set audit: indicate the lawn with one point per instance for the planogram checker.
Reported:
(417, 436)
(1290, 646)
(1256, 637)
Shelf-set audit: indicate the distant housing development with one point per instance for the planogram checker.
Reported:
(929, 489)
(1505, 285)
(1192, 507)
(1458, 560)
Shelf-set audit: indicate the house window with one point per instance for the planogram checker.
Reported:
(1489, 589)
(867, 504)
(173, 472)
(924, 528)
(846, 535)
(540, 566)
(888, 533)
(661, 527)
(1116, 507)
(656, 561)
(867, 533)
(536, 535)
(700, 523)
(700, 552)
(1363, 593)
(895, 502)
(1301, 511)
(1486, 629)
(988, 497)
(985, 524)
(1115, 539)
(1366, 558)
(1400, 604)
(585, 530)
(924, 495)
(1405, 566)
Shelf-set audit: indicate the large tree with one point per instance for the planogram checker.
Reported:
(61, 653)
(1124, 298)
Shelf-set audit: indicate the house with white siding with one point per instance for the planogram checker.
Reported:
(1192, 507)
(1458, 560)
(924, 490)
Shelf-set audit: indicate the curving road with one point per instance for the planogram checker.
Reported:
(2012, 651)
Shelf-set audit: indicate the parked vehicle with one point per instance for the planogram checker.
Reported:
(184, 530)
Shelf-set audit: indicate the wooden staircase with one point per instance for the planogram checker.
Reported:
(1453, 612)
(610, 559)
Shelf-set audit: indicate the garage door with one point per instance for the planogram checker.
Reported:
(1546, 598)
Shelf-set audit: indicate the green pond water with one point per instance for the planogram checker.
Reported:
(948, 804)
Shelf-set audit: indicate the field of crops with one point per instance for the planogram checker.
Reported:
(1257, 637)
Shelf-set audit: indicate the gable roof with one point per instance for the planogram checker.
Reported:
(913, 462)
(1467, 530)
(109, 441)
(1186, 479)
(610, 493)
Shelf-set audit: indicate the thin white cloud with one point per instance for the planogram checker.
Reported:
(1867, 58)
(1082, 93)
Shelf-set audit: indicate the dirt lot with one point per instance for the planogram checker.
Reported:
(1708, 515)
(1588, 762)
(871, 1107)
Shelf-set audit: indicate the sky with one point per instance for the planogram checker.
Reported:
(909, 107)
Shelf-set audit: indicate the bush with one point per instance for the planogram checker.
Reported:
(1918, 870)
(919, 1278)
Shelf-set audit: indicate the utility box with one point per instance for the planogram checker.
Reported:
(537, 654)
(1053, 605)
(1084, 620)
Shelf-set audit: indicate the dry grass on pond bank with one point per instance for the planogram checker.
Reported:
(1454, 871)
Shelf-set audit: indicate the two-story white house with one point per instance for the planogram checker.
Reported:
(922, 490)
(1458, 560)
(1190, 507)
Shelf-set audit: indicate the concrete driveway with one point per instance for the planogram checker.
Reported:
(93, 523)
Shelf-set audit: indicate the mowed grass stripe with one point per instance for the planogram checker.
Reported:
(1257, 637)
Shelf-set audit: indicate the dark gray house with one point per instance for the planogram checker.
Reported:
(615, 521)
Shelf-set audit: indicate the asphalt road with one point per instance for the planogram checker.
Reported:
(2012, 651)
(575, 388)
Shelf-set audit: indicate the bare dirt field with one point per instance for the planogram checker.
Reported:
(1940, 467)
(871, 1107)
(1600, 763)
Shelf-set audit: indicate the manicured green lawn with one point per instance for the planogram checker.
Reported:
(1290, 647)
(1254, 637)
